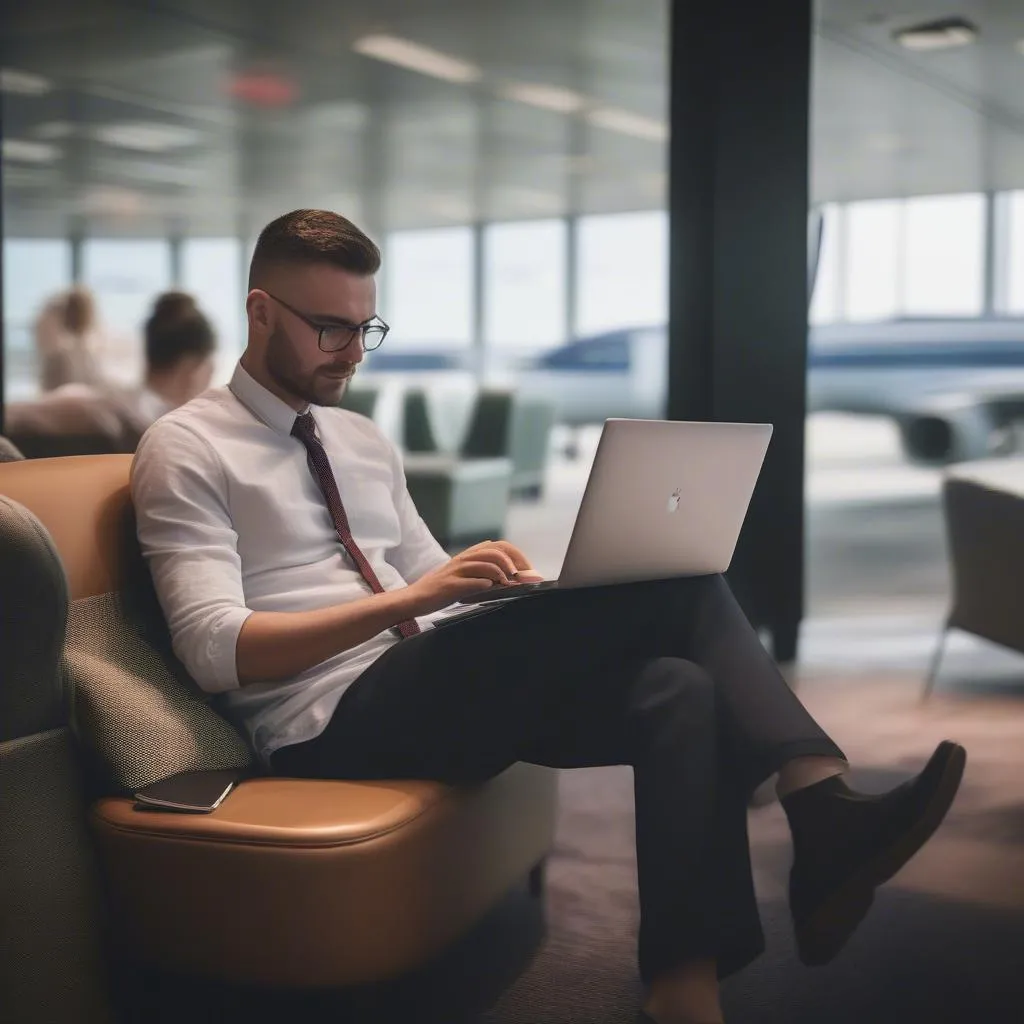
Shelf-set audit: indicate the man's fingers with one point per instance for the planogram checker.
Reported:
(518, 559)
(517, 556)
(491, 553)
(483, 570)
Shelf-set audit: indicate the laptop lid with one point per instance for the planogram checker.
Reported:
(664, 498)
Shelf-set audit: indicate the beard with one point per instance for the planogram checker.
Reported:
(323, 386)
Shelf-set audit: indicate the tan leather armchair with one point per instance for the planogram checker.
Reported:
(289, 882)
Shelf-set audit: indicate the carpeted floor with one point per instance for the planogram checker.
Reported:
(944, 941)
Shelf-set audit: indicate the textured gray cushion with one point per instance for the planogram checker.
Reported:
(9, 452)
(52, 927)
(34, 602)
(135, 708)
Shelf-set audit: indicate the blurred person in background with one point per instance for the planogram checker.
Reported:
(180, 345)
(68, 339)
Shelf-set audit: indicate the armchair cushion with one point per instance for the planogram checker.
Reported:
(135, 711)
(356, 881)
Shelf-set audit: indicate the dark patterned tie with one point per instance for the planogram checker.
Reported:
(305, 430)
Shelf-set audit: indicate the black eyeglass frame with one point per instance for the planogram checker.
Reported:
(374, 324)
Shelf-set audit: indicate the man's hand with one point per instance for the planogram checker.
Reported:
(492, 563)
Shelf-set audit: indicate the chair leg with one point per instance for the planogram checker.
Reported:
(933, 669)
(536, 879)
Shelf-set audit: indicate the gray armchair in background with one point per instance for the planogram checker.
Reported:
(467, 451)
(983, 508)
(462, 500)
(438, 418)
(362, 400)
(506, 424)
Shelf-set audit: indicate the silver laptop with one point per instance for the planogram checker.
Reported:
(664, 498)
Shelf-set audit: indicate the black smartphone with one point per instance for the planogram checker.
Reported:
(189, 792)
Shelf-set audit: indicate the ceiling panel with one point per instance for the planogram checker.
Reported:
(143, 127)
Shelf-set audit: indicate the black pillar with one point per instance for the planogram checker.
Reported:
(3, 330)
(738, 194)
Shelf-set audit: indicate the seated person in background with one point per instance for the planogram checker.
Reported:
(180, 344)
(68, 339)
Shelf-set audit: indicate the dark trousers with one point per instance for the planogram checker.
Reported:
(667, 677)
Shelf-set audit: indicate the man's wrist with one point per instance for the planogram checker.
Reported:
(402, 604)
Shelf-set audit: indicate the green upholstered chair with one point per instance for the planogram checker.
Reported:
(506, 424)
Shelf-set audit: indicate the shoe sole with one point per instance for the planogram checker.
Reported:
(824, 933)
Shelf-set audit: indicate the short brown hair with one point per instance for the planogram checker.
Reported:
(314, 236)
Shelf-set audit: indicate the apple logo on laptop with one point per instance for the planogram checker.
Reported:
(673, 500)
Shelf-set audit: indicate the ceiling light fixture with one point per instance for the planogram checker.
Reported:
(109, 200)
(414, 57)
(547, 97)
(150, 171)
(25, 83)
(937, 35)
(51, 130)
(628, 123)
(28, 152)
(146, 136)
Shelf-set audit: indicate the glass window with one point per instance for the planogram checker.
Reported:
(35, 269)
(1015, 253)
(211, 271)
(429, 281)
(524, 283)
(825, 302)
(944, 254)
(872, 259)
(126, 276)
(622, 271)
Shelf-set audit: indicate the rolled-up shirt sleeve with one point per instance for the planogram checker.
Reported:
(184, 528)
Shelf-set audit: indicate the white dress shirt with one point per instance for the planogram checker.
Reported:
(231, 521)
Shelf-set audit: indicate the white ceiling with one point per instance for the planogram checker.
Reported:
(887, 121)
(144, 136)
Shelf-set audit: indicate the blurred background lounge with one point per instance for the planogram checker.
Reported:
(512, 160)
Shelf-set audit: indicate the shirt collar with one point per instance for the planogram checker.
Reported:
(261, 403)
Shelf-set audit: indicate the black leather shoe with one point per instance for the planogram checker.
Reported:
(846, 844)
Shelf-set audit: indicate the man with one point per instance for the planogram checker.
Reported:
(179, 349)
(303, 589)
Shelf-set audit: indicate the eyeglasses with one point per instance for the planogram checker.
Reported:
(334, 336)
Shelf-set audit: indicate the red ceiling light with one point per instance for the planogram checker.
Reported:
(269, 89)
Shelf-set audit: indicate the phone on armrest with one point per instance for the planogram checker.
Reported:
(189, 792)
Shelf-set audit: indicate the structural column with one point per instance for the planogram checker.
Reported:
(738, 194)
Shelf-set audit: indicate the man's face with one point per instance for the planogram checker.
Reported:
(294, 362)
